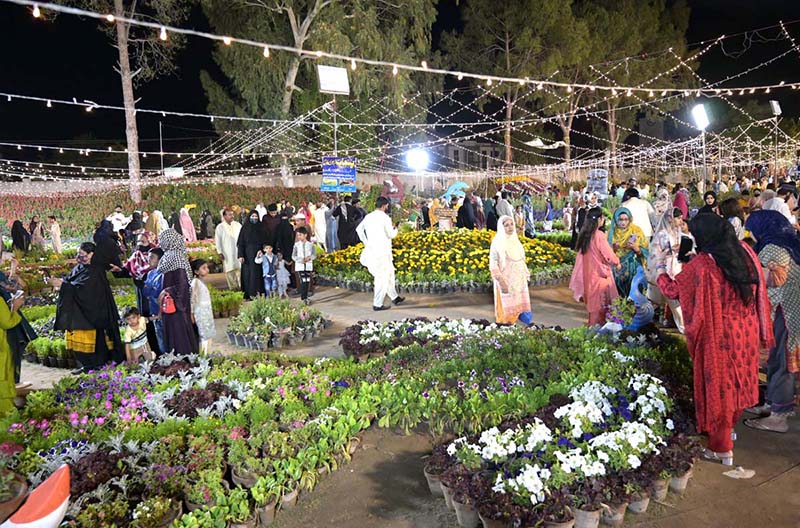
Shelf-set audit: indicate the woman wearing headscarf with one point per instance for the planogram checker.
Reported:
(527, 210)
(629, 243)
(174, 222)
(37, 233)
(512, 300)
(19, 335)
(251, 241)
(723, 296)
(155, 223)
(592, 281)
(9, 318)
(489, 211)
(134, 227)
(20, 238)
(661, 205)
(778, 250)
(137, 267)
(667, 237)
(174, 265)
(710, 203)
(187, 227)
(331, 228)
(87, 312)
(549, 216)
(732, 211)
(682, 202)
(207, 226)
(107, 252)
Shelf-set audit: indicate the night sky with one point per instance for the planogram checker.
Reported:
(70, 57)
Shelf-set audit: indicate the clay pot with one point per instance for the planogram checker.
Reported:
(250, 523)
(639, 503)
(175, 512)
(353, 445)
(570, 523)
(492, 523)
(289, 500)
(586, 518)
(266, 514)
(8, 507)
(614, 514)
(243, 479)
(448, 496)
(660, 489)
(678, 484)
(434, 483)
(466, 515)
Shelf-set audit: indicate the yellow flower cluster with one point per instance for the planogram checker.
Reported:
(459, 255)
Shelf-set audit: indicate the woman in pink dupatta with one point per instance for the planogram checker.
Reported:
(187, 227)
(592, 281)
(512, 300)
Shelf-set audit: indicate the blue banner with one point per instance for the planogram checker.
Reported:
(338, 174)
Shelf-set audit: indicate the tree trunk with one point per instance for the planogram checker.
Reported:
(612, 137)
(509, 113)
(288, 85)
(566, 128)
(131, 132)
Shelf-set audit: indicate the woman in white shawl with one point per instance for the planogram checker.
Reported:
(667, 236)
(510, 274)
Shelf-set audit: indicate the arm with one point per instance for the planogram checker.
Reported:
(295, 253)
(217, 241)
(390, 230)
(361, 232)
(667, 285)
(605, 250)
(312, 254)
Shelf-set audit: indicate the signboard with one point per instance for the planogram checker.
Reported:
(597, 181)
(173, 172)
(446, 213)
(338, 174)
(333, 80)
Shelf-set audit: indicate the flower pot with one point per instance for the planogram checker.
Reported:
(289, 500)
(678, 484)
(250, 523)
(62, 362)
(239, 339)
(660, 489)
(353, 445)
(266, 514)
(466, 515)
(173, 513)
(244, 479)
(434, 484)
(71, 363)
(10, 506)
(492, 523)
(586, 518)
(569, 523)
(639, 503)
(448, 496)
(614, 514)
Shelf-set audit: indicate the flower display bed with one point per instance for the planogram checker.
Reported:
(240, 435)
(270, 322)
(444, 262)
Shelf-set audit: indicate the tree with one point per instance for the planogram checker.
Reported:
(516, 38)
(142, 56)
(284, 85)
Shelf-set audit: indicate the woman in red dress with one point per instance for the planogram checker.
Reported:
(725, 305)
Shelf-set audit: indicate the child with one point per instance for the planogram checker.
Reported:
(282, 276)
(269, 265)
(202, 312)
(303, 256)
(136, 346)
(153, 284)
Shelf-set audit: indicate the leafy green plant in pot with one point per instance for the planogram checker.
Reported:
(156, 512)
(240, 509)
(204, 489)
(13, 489)
(246, 465)
(266, 492)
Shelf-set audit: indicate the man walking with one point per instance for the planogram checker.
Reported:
(225, 237)
(376, 232)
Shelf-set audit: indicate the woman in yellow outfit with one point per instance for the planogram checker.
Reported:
(9, 318)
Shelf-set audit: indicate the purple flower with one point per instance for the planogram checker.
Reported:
(425, 394)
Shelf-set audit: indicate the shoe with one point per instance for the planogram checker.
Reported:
(759, 410)
(380, 308)
(397, 300)
(78, 371)
(775, 423)
(726, 458)
(306, 302)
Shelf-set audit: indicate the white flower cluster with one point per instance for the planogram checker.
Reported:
(651, 397)
(595, 393)
(579, 415)
(531, 481)
(373, 331)
(574, 460)
(630, 441)
(496, 446)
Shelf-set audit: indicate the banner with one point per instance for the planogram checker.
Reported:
(338, 174)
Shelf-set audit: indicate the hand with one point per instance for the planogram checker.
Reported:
(634, 246)
(615, 246)
(161, 297)
(260, 253)
(155, 318)
(56, 282)
(114, 268)
(241, 259)
(17, 303)
(307, 259)
(618, 266)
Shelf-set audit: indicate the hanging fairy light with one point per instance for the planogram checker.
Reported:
(460, 76)
(36, 12)
(569, 89)
(488, 81)
(353, 64)
(394, 69)
(49, 104)
(110, 17)
(424, 65)
(163, 34)
(266, 52)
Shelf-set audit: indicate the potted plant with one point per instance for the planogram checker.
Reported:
(156, 512)
(246, 467)
(265, 493)
(13, 489)
(586, 498)
(204, 489)
(240, 509)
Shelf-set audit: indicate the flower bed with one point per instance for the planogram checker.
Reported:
(270, 322)
(445, 262)
(562, 238)
(241, 434)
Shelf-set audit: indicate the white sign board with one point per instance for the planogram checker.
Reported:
(173, 172)
(333, 80)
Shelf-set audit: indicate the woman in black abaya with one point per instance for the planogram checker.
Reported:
(251, 240)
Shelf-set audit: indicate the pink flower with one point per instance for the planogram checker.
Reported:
(312, 389)
(281, 392)
(327, 393)
(100, 420)
(279, 373)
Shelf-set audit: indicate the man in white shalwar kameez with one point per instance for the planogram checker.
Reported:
(376, 232)
(320, 226)
(225, 237)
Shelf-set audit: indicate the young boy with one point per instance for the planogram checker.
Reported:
(303, 256)
(269, 267)
(282, 276)
(136, 345)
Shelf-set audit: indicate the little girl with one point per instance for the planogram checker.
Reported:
(202, 312)
(283, 277)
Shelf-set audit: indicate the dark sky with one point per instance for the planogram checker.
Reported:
(70, 57)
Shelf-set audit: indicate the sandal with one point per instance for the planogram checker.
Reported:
(726, 459)
(773, 423)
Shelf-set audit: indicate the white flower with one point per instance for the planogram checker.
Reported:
(670, 424)
(634, 461)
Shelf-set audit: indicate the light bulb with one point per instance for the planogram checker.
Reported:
(88, 109)
(19, 147)
(651, 94)
(663, 93)
(266, 52)
(752, 90)
(741, 92)
(488, 82)
(319, 53)
(540, 86)
(36, 12)
(460, 76)
(767, 90)
(394, 69)
(569, 89)
(352, 64)
(226, 40)
(592, 88)
(163, 34)
(629, 93)
(425, 65)
(110, 18)
(61, 151)
(614, 92)
(49, 104)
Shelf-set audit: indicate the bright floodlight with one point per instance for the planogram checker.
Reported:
(776, 108)
(417, 160)
(700, 117)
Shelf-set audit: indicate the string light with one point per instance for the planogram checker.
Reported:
(36, 12)
(488, 82)
(394, 69)
(352, 64)
(569, 89)
(266, 52)
(319, 54)
(110, 17)
(163, 34)
(424, 65)
(651, 94)
(460, 76)
(522, 82)
(227, 41)
(49, 104)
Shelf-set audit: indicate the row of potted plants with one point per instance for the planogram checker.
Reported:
(272, 322)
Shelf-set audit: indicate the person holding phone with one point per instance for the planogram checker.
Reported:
(630, 245)
(20, 335)
(9, 318)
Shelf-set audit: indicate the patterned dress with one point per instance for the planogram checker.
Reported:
(788, 297)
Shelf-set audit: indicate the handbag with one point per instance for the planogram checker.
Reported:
(168, 304)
